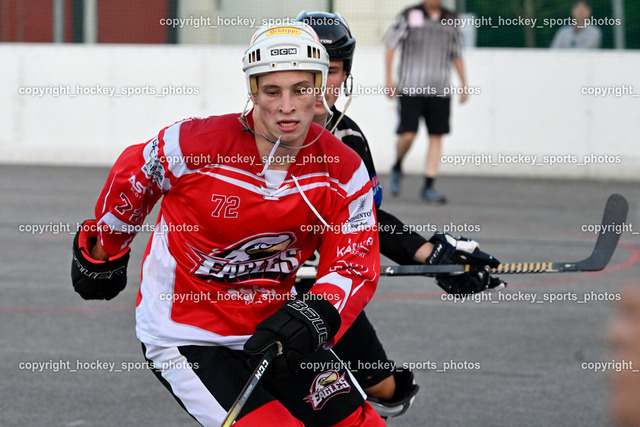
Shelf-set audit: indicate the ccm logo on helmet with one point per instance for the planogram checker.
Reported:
(284, 51)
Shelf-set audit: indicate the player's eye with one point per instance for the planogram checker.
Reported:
(300, 91)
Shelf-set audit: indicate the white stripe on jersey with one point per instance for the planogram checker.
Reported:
(186, 385)
(341, 282)
(153, 314)
(111, 221)
(104, 205)
(355, 183)
(262, 190)
(341, 133)
(173, 153)
(114, 223)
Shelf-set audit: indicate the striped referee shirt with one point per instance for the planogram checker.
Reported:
(428, 48)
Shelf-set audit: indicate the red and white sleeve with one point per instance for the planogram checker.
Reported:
(137, 180)
(349, 265)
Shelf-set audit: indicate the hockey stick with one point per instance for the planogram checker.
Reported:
(272, 351)
(615, 212)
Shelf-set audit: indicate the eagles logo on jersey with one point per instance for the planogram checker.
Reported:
(325, 386)
(266, 256)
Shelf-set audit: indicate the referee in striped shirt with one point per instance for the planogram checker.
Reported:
(429, 46)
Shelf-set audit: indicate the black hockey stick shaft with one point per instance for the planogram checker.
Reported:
(272, 351)
(615, 213)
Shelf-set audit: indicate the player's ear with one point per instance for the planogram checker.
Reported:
(254, 98)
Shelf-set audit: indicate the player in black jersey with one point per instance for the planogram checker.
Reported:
(391, 392)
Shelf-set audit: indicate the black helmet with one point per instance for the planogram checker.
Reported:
(334, 35)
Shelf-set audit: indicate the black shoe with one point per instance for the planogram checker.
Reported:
(430, 195)
(395, 181)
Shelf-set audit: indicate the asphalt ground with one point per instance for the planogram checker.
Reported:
(503, 361)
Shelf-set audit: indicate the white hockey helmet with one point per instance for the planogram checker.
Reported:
(294, 47)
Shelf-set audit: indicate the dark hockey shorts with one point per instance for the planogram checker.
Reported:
(206, 381)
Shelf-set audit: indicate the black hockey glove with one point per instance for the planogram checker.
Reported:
(449, 250)
(475, 280)
(91, 278)
(302, 325)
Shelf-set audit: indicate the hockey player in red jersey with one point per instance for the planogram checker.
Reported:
(246, 199)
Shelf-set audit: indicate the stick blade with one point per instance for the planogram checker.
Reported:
(615, 214)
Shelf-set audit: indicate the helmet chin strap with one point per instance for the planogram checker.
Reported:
(348, 88)
(245, 126)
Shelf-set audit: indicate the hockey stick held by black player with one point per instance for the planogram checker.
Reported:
(444, 263)
(615, 213)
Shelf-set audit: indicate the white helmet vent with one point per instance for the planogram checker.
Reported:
(254, 56)
(313, 52)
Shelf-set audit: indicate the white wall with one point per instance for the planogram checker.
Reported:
(530, 103)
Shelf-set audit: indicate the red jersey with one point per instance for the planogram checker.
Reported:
(228, 241)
